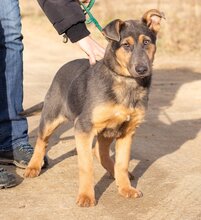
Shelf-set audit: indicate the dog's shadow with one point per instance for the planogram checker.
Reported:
(154, 133)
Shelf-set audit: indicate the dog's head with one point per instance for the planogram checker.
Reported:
(132, 44)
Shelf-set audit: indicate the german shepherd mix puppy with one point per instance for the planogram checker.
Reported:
(107, 100)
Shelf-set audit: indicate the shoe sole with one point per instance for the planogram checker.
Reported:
(14, 162)
(7, 186)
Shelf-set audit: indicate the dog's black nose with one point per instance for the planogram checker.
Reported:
(141, 69)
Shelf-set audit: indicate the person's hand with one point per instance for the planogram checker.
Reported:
(91, 48)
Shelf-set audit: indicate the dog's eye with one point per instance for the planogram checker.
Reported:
(126, 46)
(146, 42)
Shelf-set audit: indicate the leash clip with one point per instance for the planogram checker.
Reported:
(65, 39)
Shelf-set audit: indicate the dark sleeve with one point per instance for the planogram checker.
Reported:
(67, 17)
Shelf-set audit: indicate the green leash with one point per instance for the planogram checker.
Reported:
(91, 18)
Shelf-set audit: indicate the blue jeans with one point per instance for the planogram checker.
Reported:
(13, 129)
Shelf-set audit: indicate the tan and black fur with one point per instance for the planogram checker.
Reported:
(107, 100)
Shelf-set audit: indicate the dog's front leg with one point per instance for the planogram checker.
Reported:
(86, 195)
(122, 158)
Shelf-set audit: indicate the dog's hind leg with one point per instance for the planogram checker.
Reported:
(46, 128)
(102, 152)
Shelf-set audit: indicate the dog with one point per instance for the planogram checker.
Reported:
(107, 100)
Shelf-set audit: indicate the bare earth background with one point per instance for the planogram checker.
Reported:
(166, 153)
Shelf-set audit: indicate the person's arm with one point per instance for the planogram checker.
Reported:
(67, 17)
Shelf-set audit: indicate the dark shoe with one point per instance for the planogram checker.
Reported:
(20, 156)
(7, 179)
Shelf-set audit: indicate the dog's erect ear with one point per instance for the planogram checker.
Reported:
(112, 30)
(152, 19)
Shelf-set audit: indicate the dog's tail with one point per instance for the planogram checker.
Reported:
(34, 110)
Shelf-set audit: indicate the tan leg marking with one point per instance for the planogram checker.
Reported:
(34, 167)
(125, 189)
(86, 197)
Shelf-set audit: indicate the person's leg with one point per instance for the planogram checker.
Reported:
(13, 129)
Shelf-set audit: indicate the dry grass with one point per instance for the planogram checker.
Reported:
(180, 32)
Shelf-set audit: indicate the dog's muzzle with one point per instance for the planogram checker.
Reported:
(140, 71)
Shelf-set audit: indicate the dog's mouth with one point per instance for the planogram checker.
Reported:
(140, 76)
(132, 74)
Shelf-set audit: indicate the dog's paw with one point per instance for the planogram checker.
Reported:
(130, 192)
(31, 172)
(84, 200)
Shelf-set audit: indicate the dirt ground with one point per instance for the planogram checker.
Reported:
(166, 154)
